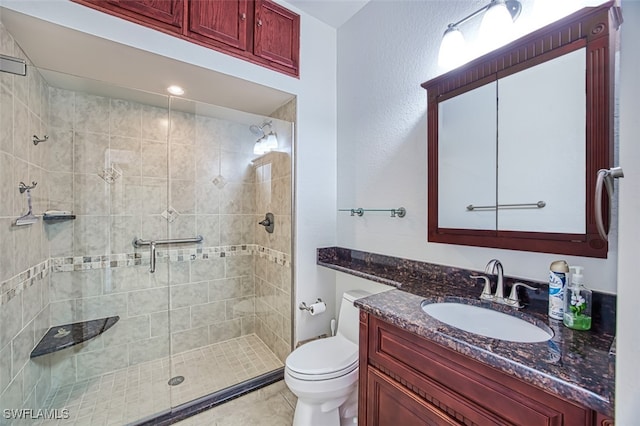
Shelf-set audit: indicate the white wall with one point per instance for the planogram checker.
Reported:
(382, 159)
(315, 150)
(628, 337)
(382, 138)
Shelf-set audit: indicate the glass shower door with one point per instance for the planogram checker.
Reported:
(105, 163)
(229, 324)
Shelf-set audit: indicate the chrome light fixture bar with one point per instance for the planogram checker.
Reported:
(452, 48)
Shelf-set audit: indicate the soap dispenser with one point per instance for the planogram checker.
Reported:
(577, 302)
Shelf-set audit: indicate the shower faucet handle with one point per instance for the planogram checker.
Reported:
(268, 222)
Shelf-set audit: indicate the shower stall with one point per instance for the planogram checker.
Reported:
(148, 281)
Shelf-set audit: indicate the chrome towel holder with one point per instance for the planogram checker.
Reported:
(399, 212)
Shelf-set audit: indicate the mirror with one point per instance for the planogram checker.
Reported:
(516, 138)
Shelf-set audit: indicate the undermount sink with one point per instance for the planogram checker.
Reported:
(486, 322)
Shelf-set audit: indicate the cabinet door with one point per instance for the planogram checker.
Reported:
(389, 404)
(224, 21)
(166, 13)
(277, 34)
(467, 148)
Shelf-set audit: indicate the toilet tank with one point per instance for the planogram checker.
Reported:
(349, 318)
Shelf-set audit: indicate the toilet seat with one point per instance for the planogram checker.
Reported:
(323, 359)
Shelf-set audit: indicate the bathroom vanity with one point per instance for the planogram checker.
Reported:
(410, 380)
(416, 370)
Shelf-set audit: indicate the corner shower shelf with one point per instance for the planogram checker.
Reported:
(64, 336)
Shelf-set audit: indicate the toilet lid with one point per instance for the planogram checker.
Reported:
(330, 357)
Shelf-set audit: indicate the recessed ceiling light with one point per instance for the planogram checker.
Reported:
(175, 90)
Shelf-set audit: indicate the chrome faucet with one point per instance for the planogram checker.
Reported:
(494, 267)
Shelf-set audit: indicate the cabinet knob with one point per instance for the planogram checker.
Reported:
(259, 22)
(243, 16)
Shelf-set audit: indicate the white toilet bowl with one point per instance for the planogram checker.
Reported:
(323, 374)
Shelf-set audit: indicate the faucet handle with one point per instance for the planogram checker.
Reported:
(513, 300)
(486, 291)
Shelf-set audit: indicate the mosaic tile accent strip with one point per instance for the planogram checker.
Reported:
(81, 263)
(16, 285)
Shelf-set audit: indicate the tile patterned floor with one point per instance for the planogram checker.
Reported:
(140, 391)
(273, 405)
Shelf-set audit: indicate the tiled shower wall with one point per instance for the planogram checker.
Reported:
(24, 250)
(236, 282)
(210, 287)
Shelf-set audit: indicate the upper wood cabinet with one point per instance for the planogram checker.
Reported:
(163, 15)
(259, 31)
(277, 35)
(221, 21)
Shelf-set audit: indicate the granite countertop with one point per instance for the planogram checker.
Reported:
(576, 365)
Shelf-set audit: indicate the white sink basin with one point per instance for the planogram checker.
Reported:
(486, 322)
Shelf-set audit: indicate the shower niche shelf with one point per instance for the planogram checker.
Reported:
(64, 336)
(58, 217)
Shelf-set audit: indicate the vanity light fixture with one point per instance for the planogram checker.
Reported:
(267, 141)
(498, 16)
(175, 90)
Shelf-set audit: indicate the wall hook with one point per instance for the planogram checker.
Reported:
(37, 140)
(23, 187)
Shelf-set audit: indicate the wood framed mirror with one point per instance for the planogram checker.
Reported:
(516, 138)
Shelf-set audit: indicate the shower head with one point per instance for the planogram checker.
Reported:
(259, 130)
(256, 130)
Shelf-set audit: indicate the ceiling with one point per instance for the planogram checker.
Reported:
(331, 12)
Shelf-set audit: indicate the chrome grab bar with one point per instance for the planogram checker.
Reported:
(538, 205)
(139, 242)
(152, 257)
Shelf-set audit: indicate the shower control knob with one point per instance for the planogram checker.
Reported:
(268, 222)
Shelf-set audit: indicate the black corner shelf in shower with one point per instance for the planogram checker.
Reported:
(64, 336)
(58, 218)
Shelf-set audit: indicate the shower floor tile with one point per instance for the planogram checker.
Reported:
(273, 405)
(140, 391)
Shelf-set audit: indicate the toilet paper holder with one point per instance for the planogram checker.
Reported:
(304, 307)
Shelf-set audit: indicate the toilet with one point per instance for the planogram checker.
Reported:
(323, 373)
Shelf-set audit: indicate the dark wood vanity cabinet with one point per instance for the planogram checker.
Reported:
(408, 380)
(259, 31)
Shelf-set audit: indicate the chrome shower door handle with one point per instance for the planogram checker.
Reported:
(152, 257)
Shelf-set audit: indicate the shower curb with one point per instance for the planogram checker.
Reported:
(205, 403)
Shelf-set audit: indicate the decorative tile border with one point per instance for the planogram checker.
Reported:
(81, 263)
(16, 285)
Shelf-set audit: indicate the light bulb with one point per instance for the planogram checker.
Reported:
(260, 147)
(496, 27)
(453, 51)
(271, 141)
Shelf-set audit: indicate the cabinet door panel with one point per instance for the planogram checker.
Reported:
(277, 34)
(221, 20)
(541, 146)
(165, 11)
(467, 149)
(391, 405)
(464, 386)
